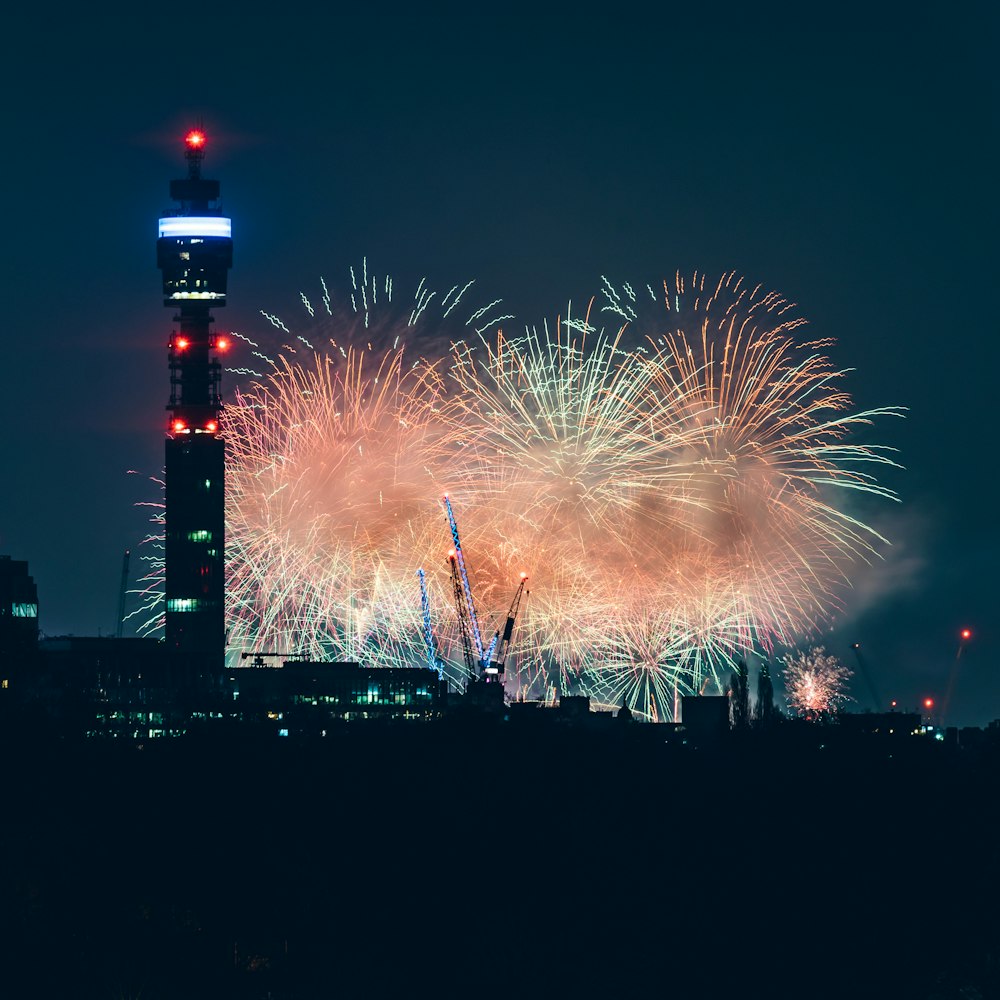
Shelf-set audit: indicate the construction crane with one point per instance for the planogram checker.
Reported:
(462, 610)
(495, 671)
(258, 658)
(465, 605)
(122, 591)
(433, 658)
(963, 637)
(867, 675)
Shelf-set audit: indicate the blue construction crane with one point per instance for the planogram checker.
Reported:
(465, 605)
(434, 661)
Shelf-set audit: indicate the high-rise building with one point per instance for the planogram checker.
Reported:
(18, 620)
(194, 252)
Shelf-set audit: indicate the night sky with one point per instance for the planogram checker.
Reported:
(845, 166)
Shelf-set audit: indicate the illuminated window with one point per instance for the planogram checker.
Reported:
(182, 604)
(208, 484)
(24, 610)
(199, 536)
(5, 684)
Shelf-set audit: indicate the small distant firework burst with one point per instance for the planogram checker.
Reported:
(673, 481)
(815, 683)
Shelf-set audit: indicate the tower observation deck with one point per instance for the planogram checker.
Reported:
(194, 252)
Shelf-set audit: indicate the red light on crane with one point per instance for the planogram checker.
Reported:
(195, 139)
(524, 576)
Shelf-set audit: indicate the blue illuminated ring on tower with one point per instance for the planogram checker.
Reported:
(196, 225)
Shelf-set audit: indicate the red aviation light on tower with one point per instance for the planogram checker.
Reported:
(181, 343)
(966, 633)
(178, 426)
(221, 343)
(195, 140)
(212, 426)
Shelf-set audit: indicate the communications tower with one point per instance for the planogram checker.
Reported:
(194, 252)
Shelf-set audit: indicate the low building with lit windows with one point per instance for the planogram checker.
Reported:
(305, 695)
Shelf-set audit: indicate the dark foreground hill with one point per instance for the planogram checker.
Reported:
(472, 860)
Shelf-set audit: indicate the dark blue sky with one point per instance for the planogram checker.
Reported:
(850, 168)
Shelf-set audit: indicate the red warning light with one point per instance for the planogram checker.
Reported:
(893, 704)
(212, 426)
(966, 633)
(451, 553)
(928, 703)
(182, 343)
(222, 343)
(195, 139)
(178, 425)
(524, 576)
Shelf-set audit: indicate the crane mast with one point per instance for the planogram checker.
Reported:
(433, 659)
(463, 616)
(867, 675)
(503, 648)
(465, 604)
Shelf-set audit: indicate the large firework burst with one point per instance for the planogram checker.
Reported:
(676, 487)
(675, 484)
(333, 491)
(330, 498)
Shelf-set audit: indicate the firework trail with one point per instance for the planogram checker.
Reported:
(815, 682)
(675, 482)
(147, 615)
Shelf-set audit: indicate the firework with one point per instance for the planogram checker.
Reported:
(675, 483)
(333, 488)
(815, 682)
(147, 615)
(677, 487)
(330, 499)
(550, 463)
